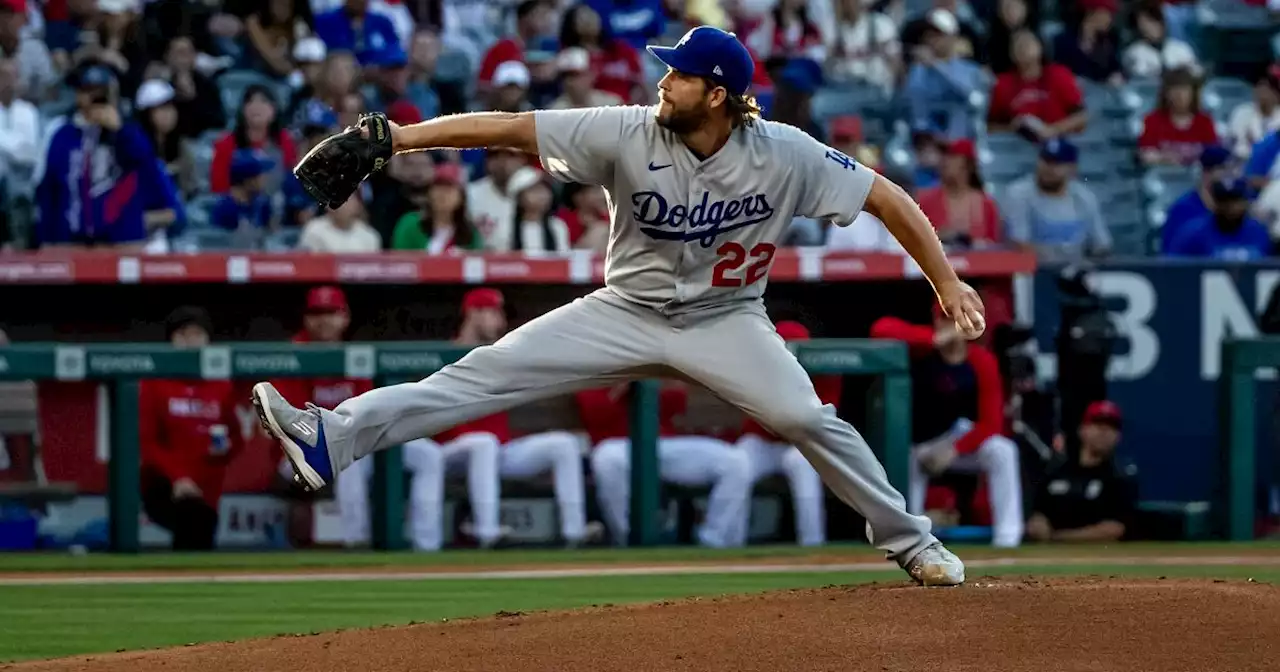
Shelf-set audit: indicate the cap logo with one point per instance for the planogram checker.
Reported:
(684, 39)
(718, 71)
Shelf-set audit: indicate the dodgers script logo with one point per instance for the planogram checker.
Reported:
(704, 222)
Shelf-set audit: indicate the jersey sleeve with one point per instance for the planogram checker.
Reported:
(833, 186)
(582, 145)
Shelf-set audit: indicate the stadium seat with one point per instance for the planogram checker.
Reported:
(284, 240)
(1224, 94)
(831, 102)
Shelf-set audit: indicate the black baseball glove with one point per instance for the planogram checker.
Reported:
(335, 167)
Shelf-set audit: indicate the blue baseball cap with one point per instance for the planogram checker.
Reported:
(317, 115)
(712, 53)
(247, 164)
(390, 56)
(1059, 151)
(1214, 156)
(803, 75)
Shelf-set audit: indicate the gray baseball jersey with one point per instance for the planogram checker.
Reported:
(690, 233)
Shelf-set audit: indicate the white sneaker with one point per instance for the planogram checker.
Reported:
(936, 566)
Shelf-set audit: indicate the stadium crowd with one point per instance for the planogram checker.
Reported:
(171, 125)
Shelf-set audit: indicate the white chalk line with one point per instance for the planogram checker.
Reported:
(372, 574)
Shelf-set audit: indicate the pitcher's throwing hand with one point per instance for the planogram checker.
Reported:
(961, 303)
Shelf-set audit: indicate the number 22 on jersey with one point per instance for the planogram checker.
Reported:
(734, 256)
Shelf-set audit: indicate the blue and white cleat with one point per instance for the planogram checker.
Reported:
(936, 566)
(300, 434)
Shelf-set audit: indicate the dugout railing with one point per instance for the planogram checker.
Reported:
(1242, 360)
(120, 367)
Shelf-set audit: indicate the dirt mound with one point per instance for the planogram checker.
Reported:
(989, 625)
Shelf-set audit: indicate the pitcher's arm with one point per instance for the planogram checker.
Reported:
(473, 130)
(909, 225)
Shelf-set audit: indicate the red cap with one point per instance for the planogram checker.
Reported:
(846, 127)
(1091, 5)
(15, 6)
(792, 331)
(964, 147)
(1103, 412)
(326, 299)
(483, 297)
(447, 173)
(403, 112)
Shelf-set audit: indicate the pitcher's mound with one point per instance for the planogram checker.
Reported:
(989, 625)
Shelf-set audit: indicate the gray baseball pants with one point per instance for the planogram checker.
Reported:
(603, 339)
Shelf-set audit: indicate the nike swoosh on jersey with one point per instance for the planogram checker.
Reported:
(653, 167)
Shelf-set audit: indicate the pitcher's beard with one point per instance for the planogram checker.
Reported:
(682, 122)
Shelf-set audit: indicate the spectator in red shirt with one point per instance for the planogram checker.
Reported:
(958, 416)
(187, 437)
(768, 455)
(258, 126)
(683, 459)
(616, 64)
(1177, 131)
(959, 207)
(1036, 99)
(786, 32)
(533, 20)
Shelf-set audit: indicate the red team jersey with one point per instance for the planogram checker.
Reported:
(1185, 144)
(176, 417)
(606, 418)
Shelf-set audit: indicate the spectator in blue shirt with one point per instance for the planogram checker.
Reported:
(1215, 164)
(354, 28)
(636, 22)
(1264, 162)
(1229, 233)
(94, 171)
(941, 84)
(245, 210)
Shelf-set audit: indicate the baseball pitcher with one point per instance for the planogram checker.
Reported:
(700, 191)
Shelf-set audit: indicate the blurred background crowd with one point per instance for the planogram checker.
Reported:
(1077, 128)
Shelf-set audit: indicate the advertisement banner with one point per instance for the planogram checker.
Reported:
(1172, 318)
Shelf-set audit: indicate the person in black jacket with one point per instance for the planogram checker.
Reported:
(1088, 496)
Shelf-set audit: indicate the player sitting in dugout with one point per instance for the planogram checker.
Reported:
(1088, 496)
(486, 451)
(683, 459)
(957, 411)
(188, 435)
(768, 454)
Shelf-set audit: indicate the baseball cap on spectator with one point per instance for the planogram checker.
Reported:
(13, 6)
(309, 50)
(802, 75)
(846, 128)
(187, 316)
(1230, 189)
(712, 53)
(447, 173)
(482, 297)
(118, 6)
(388, 58)
(1059, 151)
(944, 22)
(1214, 156)
(317, 118)
(93, 76)
(573, 60)
(326, 299)
(153, 93)
(1096, 5)
(403, 112)
(542, 50)
(962, 147)
(511, 73)
(792, 331)
(1103, 412)
(247, 164)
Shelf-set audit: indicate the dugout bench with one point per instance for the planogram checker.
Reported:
(121, 366)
